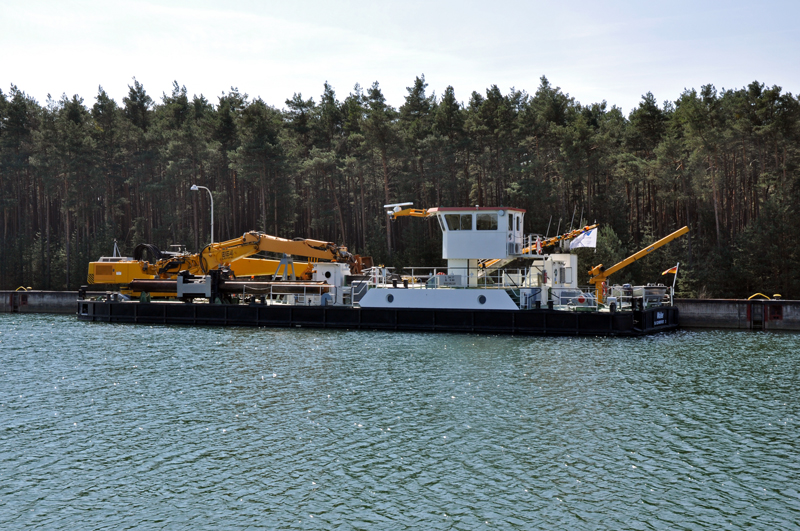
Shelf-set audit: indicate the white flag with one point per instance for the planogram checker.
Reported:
(587, 239)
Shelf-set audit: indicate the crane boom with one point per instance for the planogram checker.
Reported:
(599, 274)
(413, 212)
(567, 236)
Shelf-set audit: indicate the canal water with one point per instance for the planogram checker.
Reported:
(107, 426)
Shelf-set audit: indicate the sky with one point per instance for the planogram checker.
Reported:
(613, 51)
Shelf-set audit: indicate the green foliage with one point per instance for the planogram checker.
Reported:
(74, 178)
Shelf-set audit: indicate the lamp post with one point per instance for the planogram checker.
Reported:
(195, 188)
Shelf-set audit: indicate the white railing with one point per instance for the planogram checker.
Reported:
(578, 298)
(529, 244)
(309, 296)
(448, 277)
(517, 282)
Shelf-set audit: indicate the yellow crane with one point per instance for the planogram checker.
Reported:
(599, 274)
(413, 212)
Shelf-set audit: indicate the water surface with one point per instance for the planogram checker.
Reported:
(106, 426)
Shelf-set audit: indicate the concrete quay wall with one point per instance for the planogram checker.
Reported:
(739, 314)
(36, 301)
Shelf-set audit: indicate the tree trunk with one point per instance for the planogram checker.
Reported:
(338, 208)
(716, 204)
(385, 165)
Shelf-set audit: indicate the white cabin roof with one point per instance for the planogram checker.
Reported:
(473, 209)
(479, 232)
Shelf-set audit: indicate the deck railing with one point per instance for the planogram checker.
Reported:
(440, 277)
(517, 282)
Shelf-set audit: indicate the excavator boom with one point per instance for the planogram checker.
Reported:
(222, 254)
(227, 253)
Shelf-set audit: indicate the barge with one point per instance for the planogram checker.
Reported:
(497, 281)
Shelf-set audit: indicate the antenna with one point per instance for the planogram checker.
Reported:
(548, 226)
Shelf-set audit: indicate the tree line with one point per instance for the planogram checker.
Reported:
(74, 178)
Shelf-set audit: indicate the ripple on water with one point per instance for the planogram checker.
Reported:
(110, 426)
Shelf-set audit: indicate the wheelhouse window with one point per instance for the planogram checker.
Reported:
(453, 221)
(510, 221)
(487, 222)
(458, 221)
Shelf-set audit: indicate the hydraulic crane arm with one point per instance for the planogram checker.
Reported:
(599, 274)
(566, 236)
(398, 210)
(413, 212)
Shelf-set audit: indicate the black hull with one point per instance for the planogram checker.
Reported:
(528, 322)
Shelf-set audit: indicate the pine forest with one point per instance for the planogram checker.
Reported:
(75, 178)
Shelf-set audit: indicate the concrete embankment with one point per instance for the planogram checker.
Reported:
(35, 301)
(756, 314)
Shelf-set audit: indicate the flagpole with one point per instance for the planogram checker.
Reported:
(674, 278)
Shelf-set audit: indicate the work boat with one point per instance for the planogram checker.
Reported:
(497, 280)
(491, 265)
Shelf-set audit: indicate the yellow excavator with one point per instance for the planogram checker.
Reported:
(599, 274)
(150, 263)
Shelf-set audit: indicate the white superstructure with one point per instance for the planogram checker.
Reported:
(480, 232)
(478, 243)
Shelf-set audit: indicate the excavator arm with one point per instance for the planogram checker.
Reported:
(599, 274)
(299, 247)
(223, 254)
(216, 255)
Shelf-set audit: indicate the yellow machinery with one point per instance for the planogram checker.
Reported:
(232, 253)
(110, 271)
(599, 274)
(566, 236)
(413, 212)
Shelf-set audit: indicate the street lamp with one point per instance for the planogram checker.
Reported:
(195, 188)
